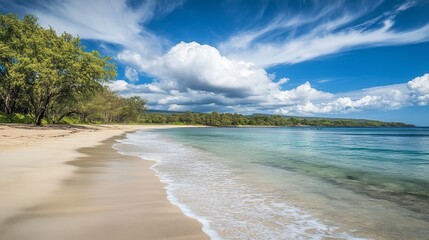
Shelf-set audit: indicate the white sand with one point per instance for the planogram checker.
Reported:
(33, 182)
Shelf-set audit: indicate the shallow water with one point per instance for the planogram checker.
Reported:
(295, 183)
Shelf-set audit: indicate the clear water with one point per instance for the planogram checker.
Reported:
(295, 183)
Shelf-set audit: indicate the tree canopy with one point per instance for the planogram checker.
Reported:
(51, 76)
(233, 119)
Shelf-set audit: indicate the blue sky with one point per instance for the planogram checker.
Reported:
(362, 59)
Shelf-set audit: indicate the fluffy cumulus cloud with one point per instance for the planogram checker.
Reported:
(302, 93)
(193, 74)
(202, 68)
(118, 86)
(302, 100)
(340, 105)
(419, 88)
(390, 97)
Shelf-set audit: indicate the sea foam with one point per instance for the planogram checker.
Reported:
(209, 191)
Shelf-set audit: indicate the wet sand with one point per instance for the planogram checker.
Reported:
(78, 187)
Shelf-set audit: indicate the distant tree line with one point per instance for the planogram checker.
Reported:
(234, 119)
(48, 77)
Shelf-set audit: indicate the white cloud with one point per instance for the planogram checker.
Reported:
(191, 66)
(288, 44)
(308, 47)
(390, 97)
(131, 74)
(118, 85)
(201, 67)
(293, 19)
(324, 80)
(195, 74)
(107, 21)
(305, 92)
(174, 107)
(302, 100)
(282, 81)
(419, 88)
(340, 105)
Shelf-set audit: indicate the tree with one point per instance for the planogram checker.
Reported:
(102, 107)
(62, 72)
(106, 106)
(11, 72)
(53, 71)
(133, 108)
(213, 119)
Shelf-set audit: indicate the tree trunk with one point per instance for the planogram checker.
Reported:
(39, 119)
(41, 115)
(64, 115)
(6, 106)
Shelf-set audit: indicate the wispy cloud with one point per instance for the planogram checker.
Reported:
(334, 28)
(324, 80)
(289, 22)
(111, 21)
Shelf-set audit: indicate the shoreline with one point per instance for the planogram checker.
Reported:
(91, 191)
(222, 171)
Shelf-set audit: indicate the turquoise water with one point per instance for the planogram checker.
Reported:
(295, 183)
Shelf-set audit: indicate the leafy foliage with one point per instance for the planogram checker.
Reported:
(51, 76)
(228, 119)
(108, 107)
(15, 118)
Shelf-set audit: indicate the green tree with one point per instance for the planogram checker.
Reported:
(106, 106)
(53, 71)
(102, 107)
(130, 109)
(61, 72)
(213, 119)
(11, 71)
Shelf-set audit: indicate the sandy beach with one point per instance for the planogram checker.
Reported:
(67, 182)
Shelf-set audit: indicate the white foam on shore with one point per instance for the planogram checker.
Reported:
(188, 212)
(169, 187)
(208, 191)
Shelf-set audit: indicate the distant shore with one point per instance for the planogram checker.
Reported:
(67, 182)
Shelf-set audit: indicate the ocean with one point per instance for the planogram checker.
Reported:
(294, 183)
